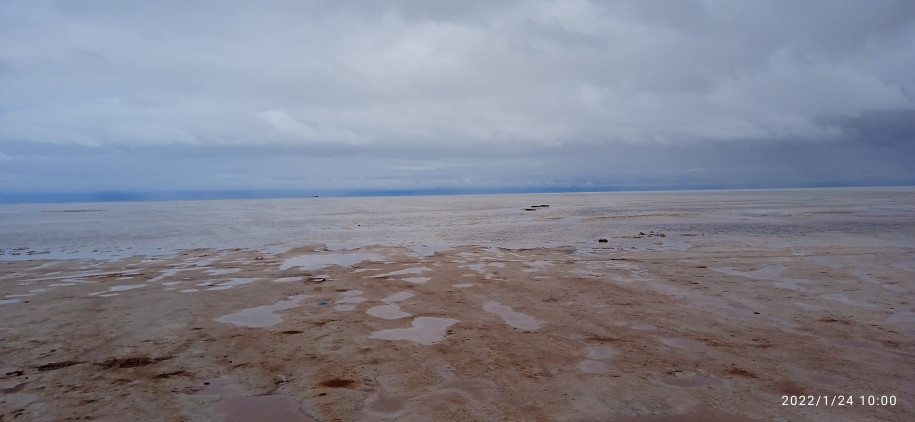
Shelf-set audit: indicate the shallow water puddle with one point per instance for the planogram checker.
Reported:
(232, 283)
(397, 297)
(318, 261)
(515, 319)
(769, 272)
(221, 271)
(462, 285)
(425, 330)
(287, 279)
(416, 280)
(383, 405)
(262, 316)
(390, 311)
(117, 289)
(8, 301)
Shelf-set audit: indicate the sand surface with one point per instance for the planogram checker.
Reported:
(715, 331)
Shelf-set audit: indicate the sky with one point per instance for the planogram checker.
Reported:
(174, 97)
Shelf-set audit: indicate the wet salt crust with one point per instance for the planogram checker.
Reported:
(815, 295)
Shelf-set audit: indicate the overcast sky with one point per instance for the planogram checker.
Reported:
(360, 96)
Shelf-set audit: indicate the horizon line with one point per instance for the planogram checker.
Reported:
(229, 194)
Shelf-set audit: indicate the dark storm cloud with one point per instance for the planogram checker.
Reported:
(406, 93)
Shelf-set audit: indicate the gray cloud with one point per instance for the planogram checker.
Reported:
(408, 93)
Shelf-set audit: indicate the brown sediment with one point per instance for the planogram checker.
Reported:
(711, 333)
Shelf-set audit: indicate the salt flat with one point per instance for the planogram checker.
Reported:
(700, 306)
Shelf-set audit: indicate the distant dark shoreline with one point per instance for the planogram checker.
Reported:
(196, 195)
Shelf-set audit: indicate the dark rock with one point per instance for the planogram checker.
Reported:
(601, 240)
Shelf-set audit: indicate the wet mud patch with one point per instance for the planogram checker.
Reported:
(338, 383)
(131, 362)
(57, 365)
(166, 375)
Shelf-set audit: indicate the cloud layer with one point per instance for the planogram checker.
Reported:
(435, 94)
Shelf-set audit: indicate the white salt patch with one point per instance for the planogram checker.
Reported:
(222, 271)
(109, 295)
(515, 319)
(538, 265)
(600, 352)
(592, 367)
(843, 299)
(125, 278)
(397, 297)
(366, 269)
(462, 285)
(318, 261)
(287, 279)
(8, 301)
(220, 288)
(416, 280)
(204, 284)
(415, 270)
(238, 282)
(262, 316)
(21, 295)
(166, 273)
(344, 307)
(38, 290)
(425, 330)
(62, 284)
(171, 283)
(429, 250)
(125, 287)
(390, 311)
(188, 290)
